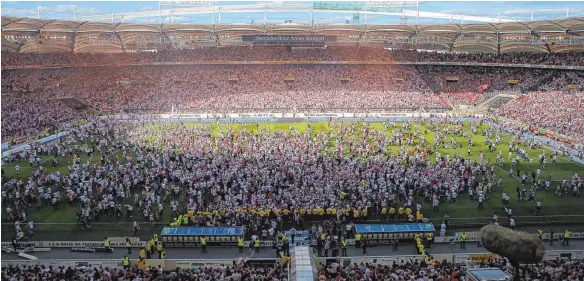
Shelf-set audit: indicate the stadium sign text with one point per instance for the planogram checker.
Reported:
(187, 3)
(288, 39)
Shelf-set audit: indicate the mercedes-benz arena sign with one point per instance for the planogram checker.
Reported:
(289, 39)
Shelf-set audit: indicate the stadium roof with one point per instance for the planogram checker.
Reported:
(42, 35)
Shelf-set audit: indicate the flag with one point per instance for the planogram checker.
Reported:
(484, 86)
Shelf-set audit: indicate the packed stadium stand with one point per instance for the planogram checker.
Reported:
(436, 270)
(259, 87)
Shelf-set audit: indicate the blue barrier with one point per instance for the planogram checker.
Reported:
(394, 228)
(202, 231)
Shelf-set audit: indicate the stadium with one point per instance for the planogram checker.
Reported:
(379, 140)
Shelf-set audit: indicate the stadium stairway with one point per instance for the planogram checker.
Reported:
(77, 103)
(495, 101)
(302, 267)
(445, 101)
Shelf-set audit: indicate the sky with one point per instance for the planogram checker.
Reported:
(516, 10)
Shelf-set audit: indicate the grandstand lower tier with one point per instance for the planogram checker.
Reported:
(449, 251)
(192, 262)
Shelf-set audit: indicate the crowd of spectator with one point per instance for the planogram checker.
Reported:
(226, 53)
(554, 270)
(30, 103)
(470, 79)
(145, 273)
(558, 111)
(261, 53)
(563, 81)
(31, 106)
(255, 178)
(434, 270)
(572, 58)
(405, 270)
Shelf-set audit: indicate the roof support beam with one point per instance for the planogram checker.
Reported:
(14, 21)
(45, 24)
(528, 28)
(118, 36)
(557, 24)
(286, 8)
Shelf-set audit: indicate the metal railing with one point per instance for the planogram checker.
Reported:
(568, 216)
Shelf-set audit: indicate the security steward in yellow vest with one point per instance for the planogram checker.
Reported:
(148, 250)
(430, 238)
(240, 244)
(159, 249)
(203, 244)
(283, 236)
(344, 248)
(357, 240)
(256, 245)
(163, 255)
(152, 244)
(567, 236)
(106, 245)
(463, 240)
(283, 258)
(143, 253)
(126, 262)
(540, 234)
(129, 246)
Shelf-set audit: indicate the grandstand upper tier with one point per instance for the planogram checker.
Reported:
(29, 35)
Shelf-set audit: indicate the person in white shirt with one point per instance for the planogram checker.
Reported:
(30, 227)
(443, 229)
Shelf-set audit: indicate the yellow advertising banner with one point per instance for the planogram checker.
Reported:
(399, 79)
(452, 78)
(482, 257)
(573, 86)
(345, 79)
(512, 81)
(289, 78)
(233, 79)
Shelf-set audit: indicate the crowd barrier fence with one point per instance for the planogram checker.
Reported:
(171, 264)
(119, 242)
(168, 264)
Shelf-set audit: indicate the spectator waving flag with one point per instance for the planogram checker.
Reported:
(484, 86)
